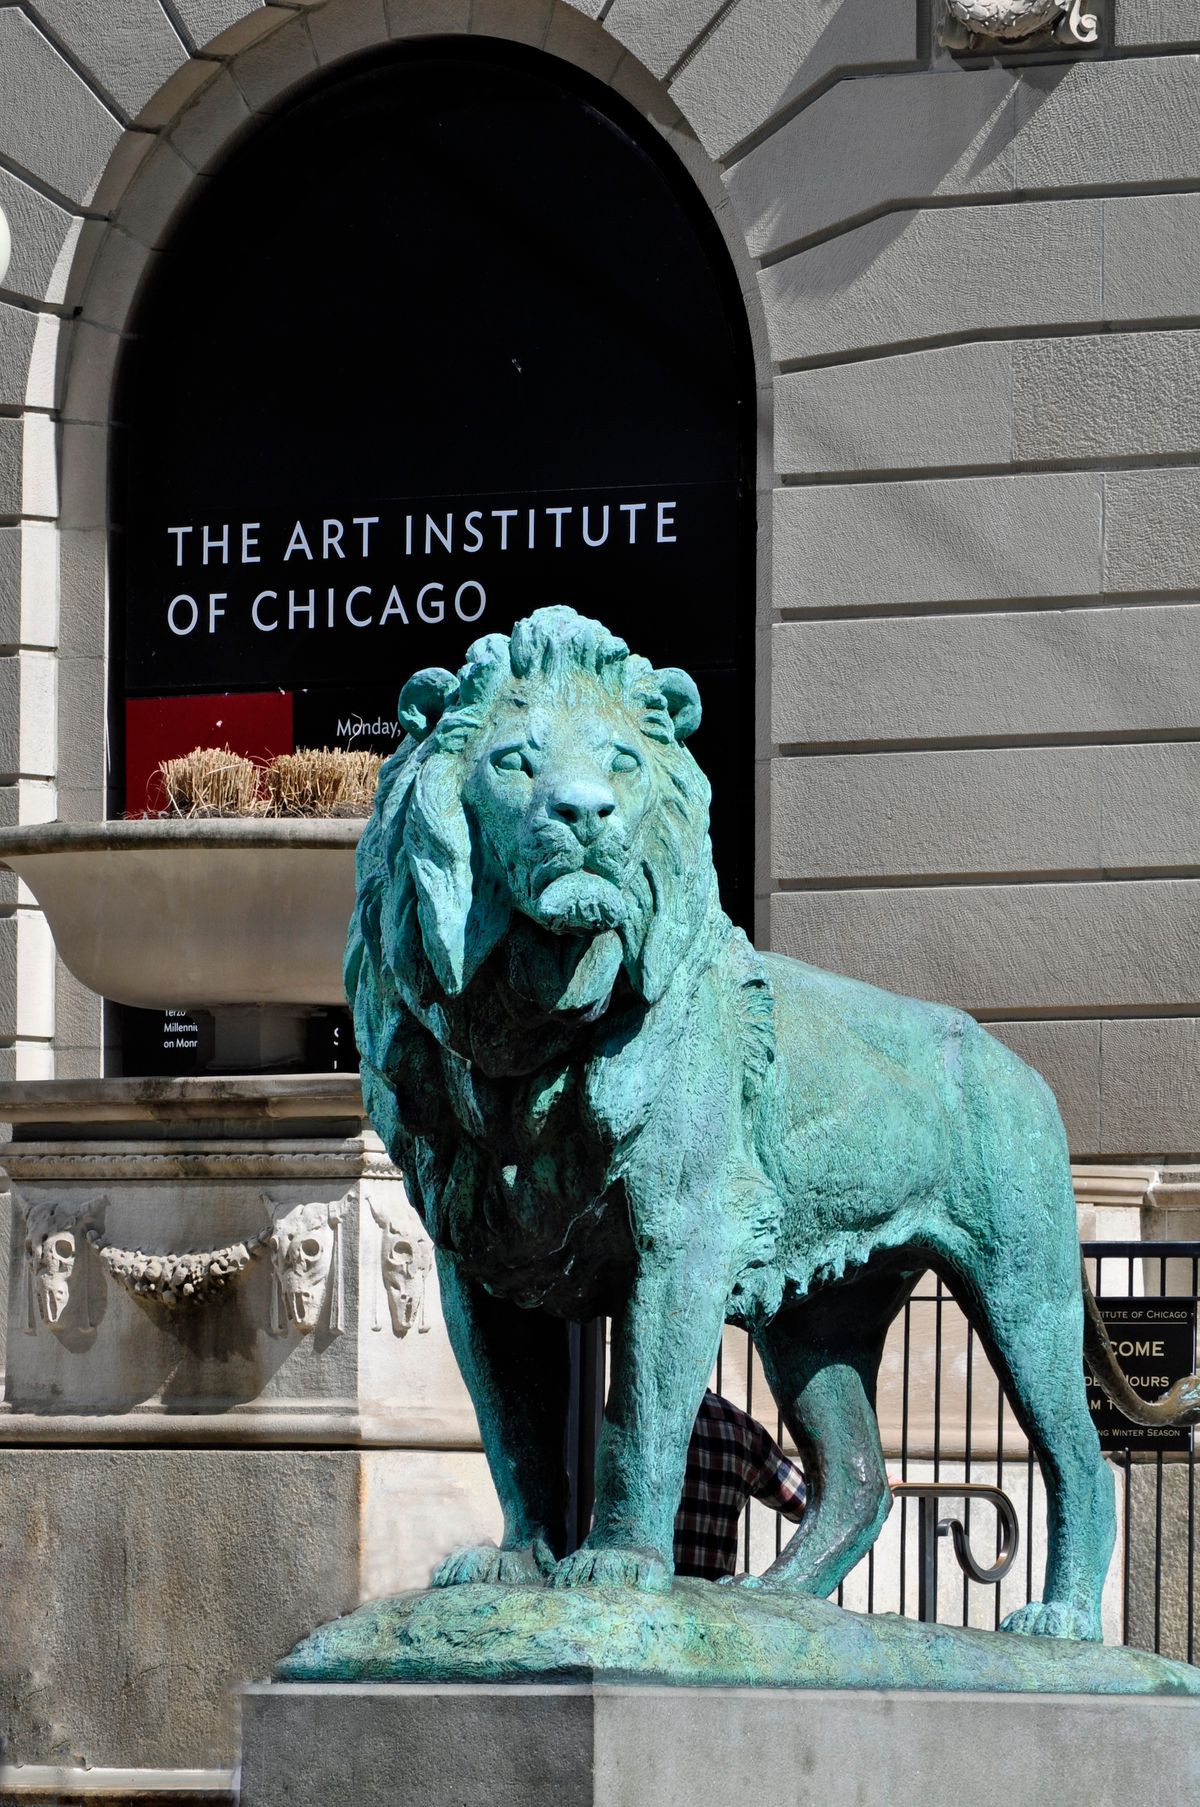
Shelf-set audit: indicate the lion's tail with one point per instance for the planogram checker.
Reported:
(1179, 1406)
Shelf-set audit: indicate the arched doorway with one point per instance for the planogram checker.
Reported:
(450, 337)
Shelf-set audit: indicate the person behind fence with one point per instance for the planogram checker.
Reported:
(731, 1459)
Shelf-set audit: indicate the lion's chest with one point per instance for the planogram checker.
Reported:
(564, 1252)
(540, 1221)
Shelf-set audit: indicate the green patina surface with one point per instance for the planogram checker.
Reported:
(700, 1634)
(605, 1101)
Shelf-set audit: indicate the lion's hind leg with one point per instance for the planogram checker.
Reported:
(821, 1360)
(1034, 1336)
(1012, 1259)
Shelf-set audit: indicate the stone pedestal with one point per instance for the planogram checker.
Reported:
(218, 1262)
(190, 1480)
(438, 1745)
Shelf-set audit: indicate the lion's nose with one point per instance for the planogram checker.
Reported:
(584, 806)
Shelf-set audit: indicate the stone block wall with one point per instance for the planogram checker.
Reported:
(972, 287)
(976, 401)
(978, 297)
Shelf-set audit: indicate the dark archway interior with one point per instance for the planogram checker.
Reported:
(453, 296)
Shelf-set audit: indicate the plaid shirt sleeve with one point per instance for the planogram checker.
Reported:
(772, 1477)
(730, 1458)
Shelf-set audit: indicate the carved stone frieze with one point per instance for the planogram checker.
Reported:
(55, 1241)
(314, 1340)
(982, 25)
(306, 1260)
(178, 1282)
(405, 1259)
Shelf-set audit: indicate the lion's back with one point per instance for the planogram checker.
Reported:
(883, 1096)
(935, 1043)
(833, 1017)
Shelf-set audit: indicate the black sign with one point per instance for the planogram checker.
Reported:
(155, 1042)
(1154, 1340)
(327, 595)
(164, 1041)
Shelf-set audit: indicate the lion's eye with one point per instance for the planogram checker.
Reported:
(625, 762)
(511, 760)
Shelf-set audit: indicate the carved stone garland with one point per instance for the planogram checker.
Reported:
(994, 24)
(178, 1282)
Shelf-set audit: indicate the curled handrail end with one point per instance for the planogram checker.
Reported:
(1006, 1512)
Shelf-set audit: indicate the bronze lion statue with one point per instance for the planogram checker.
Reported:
(603, 1100)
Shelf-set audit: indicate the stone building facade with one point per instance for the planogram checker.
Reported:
(971, 283)
(970, 275)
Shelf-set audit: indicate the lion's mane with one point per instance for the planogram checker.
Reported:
(432, 905)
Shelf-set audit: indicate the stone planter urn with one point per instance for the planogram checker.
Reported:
(211, 913)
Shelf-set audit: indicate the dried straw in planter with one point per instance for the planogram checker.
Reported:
(362, 776)
(322, 781)
(210, 781)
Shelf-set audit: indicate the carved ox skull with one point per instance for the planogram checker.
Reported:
(52, 1259)
(305, 1246)
(405, 1259)
(54, 1235)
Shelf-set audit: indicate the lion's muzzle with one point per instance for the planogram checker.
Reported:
(579, 903)
(577, 870)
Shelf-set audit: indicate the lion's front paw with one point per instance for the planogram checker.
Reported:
(484, 1562)
(613, 1568)
(1054, 1619)
(750, 1581)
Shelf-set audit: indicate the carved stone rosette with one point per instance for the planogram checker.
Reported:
(982, 25)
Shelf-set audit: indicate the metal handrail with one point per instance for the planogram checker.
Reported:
(929, 1529)
(1141, 1251)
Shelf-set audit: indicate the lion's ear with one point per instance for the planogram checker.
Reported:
(682, 699)
(425, 699)
(462, 909)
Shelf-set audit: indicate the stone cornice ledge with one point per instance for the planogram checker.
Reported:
(329, 1424)
(1115, 1185)
(276, 1097)
(199, 1158)
(1170, 1186)
(335, 833)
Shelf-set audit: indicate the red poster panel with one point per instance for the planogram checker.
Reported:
(257, 725)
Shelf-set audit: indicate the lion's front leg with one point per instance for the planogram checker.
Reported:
(517, 1367)
(665, 1342)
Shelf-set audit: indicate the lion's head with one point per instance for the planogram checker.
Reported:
(547, 783)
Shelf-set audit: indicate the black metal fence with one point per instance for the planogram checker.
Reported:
(950, 1439)
(947, 1424)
